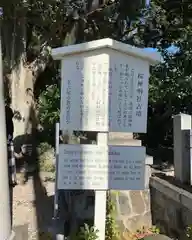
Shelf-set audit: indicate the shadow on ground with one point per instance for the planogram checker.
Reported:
(43, 205)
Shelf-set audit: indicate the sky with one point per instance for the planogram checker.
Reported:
(147, 2)
(171, 49)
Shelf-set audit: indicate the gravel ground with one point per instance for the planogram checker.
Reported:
(33, 207)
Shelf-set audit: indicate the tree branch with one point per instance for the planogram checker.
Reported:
(13, 40)
(101, 7)
(39, 64)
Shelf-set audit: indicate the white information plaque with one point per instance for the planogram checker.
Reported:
(101, 168)
(104, 92)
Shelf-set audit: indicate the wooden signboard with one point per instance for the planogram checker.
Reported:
(104, 88)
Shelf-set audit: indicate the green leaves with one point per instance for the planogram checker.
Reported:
(63, 22)
(87, 233)
(168, 24)
(48, 105)
(111, 228)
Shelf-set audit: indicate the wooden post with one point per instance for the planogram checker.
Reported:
(100, 196)
(96, 100)
(56, 172)
(56, 204)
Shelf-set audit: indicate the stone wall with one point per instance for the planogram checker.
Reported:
(133, 210)
(171, 207)
(133, 207)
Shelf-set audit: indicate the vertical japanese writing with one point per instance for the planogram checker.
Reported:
(119, 96)
(86, 105)
(99, 92)
(125, 90)
(68, 102)
(110, 97)
(93, 71)
(104, 93)
(139, 95)
(82, 100)
(77, 65)
(96, 91)
(130, 106)
(79, 68)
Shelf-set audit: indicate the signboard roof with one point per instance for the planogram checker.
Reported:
(152, 57)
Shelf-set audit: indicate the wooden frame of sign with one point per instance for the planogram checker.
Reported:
(104, 88)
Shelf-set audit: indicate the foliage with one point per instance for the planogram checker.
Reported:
(48, 105)
(111, 229)
(48, 23)
(45, 236)
(154, 229)
(87, 233)
(46, 157)
(167, 24)
(189, 232)
(31, 28)
(143, 233)
(43, 147)
(48, 112)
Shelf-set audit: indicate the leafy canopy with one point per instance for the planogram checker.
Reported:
(168, 24)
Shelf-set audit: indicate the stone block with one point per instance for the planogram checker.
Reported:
(186, 216)
(120, 135)
(146, 199)
(156, 237)
(137, 201)
(124, 206)
(166, 188)
(173, 216)
(158, 213)
(116, 138)
(137, 222)
(133, 210)
(121, 225)
(133, 224)
(171, 207)
(146, 219)
(186, 199)
(181, 160)
(148, 172)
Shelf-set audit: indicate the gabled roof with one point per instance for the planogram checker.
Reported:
(151, 57)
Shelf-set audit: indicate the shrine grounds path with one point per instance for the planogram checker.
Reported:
(32, 208)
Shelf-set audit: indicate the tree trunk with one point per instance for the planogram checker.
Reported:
(23, 105)
(21, 83)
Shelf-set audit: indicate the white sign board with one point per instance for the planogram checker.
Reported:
(104, 91)
(101, 168)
